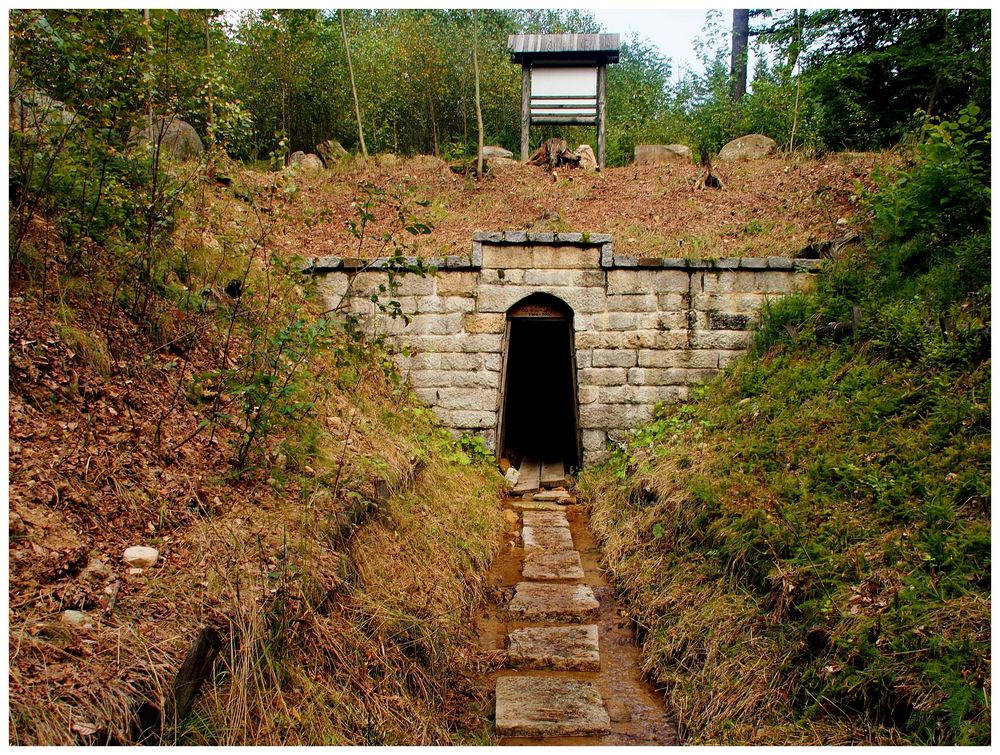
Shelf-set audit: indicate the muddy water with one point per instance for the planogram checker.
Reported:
(638, 716)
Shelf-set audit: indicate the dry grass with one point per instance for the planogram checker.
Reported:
(774, 206)
(314, 654)
(704, 644)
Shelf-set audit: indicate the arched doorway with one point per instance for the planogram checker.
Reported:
(538, 416)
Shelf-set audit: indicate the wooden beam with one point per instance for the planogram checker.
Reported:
(525, 112)
(601, 107)
(529, 475)
(553, 474)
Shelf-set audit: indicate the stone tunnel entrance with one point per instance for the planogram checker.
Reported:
(556, 341)
(538, 403)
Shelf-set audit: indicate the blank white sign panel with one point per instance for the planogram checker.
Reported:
(564, 82)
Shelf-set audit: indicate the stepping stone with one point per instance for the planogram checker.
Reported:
(553, 474)
(546, 519)
(535, 506)
(534, 706)
(555, 648)
(541, 601)
(557, 538)
(552, 564)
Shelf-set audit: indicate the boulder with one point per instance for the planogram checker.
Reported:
(493, 151)
(32, 110)
(749, 147)
(330, 152)
(502, 163)
(662, 154)
(140, 556)
(309, 163)
(587, 159)
(176, 138)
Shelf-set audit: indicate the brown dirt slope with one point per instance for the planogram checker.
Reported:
(109, 448)
(772, 206)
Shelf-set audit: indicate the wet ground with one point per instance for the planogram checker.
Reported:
(638, 715)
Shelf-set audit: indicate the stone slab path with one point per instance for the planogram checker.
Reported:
(558, 648)
(571, 673)
(552, 564)
(531, 706)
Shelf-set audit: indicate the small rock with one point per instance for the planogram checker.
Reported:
(841, 221)
(587, 159)
(96, 570)
(618, 711)
(140, 556)
(512, 475)
(74, 618)
(510, 517)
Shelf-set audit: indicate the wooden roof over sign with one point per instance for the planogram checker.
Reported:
(600, 48)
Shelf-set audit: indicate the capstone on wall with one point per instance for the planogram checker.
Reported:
(646, 329)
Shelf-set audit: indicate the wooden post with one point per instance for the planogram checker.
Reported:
(195, 669)
(601, 78)
(525, 112)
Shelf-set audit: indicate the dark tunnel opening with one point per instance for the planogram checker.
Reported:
(539, 411)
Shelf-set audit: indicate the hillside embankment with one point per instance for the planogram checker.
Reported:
(775, 206)
(174, 384)
(804, 547)
(313, 527)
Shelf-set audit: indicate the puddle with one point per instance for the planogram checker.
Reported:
(642, 718)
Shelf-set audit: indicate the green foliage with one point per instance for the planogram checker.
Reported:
(468, 450)
(841, 490)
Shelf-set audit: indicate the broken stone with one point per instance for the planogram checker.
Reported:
(552, 564)
(546, 519)
(511, 475)
(556, 648)
(532, 706)
(140, 556)
(539, 601)
(557, 538)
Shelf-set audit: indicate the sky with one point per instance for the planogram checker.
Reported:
(672, 31)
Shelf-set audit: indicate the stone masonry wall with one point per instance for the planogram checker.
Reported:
(646, 329)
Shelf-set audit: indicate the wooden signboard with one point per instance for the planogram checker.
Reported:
(563, 81)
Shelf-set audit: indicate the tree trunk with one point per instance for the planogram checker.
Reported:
(741, 41)
(434, 129)
(354, 89)
(479, 105)
(208, 90)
